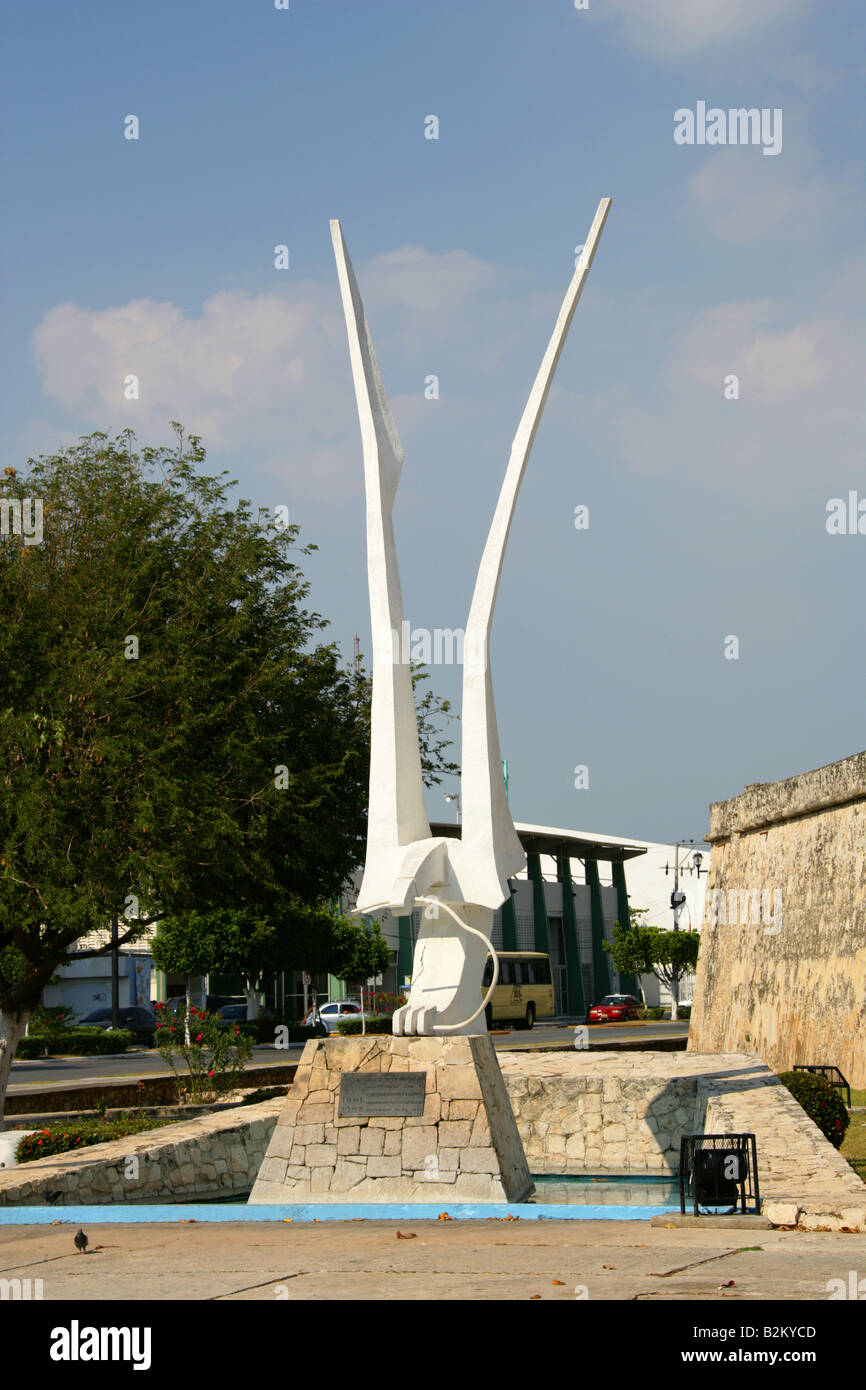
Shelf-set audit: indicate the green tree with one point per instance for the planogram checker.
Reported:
(643, 950)
(174, 735)
(291, 936)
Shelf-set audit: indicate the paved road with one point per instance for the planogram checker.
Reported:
(54, 1071)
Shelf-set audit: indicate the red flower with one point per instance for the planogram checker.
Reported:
(237, 1029)
(198, 1037)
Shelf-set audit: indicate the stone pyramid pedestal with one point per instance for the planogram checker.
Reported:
(385, 1119)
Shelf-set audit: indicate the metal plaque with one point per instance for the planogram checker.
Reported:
(366, 1093)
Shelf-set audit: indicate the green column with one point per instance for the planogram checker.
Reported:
(627, 983)
(539, 905)
(404, 949)
(509, 923)
(576, 1002)
(600, 962)
(161, 981)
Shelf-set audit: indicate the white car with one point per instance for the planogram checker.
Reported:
(331, 1014)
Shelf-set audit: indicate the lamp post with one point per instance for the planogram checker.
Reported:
(455, 797)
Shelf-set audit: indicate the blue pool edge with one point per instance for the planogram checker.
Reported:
(118, 1214)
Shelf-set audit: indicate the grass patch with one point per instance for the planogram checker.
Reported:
(858, 1097)
(854, 1144)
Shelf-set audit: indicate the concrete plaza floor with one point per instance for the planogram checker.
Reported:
(440, 1260)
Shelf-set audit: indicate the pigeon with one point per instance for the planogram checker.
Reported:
(81, 1242)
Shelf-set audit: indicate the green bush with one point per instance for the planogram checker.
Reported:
(654, 1013)
(91, 1042)
(379, 1024)
(685, 1011)
(78, 1042)
(821, 1102)
(66, 1135)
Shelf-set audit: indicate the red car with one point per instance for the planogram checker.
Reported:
(615, 1008)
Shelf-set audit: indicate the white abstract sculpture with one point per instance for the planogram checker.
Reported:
(459, 883)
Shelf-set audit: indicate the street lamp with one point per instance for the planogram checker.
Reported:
(455, 797)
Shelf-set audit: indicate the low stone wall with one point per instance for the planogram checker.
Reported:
(575, 1114)
(609, 1113)
(213, 1156)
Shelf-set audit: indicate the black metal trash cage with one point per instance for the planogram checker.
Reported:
(833, 1075)
(719, 1170)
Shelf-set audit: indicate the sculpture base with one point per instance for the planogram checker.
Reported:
(464, 1147)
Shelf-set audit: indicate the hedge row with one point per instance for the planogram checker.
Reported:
(78, 1134)
(383, 1023)
(79, 1042)
(821, 1102)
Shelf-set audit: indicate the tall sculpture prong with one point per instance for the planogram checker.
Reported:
(459, 883)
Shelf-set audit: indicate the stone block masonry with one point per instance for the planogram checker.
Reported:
(464, 1147)
(610, 1113)
(782, 966)
(195, 1160)
(576, 1113)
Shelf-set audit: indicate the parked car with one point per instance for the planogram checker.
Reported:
(140, 1022)
(329, 1015)
(615, 1008)
(228, 1015)
(213, 1002)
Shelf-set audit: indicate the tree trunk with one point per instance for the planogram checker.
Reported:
(12, 1029)
(675, 999)
(252, 1002)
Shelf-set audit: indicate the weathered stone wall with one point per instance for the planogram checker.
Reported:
(609, 1113)
(463, 1147)
(557, 1099)
(213, 1156)
(782, 967)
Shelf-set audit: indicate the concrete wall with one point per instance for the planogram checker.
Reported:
(782, 968)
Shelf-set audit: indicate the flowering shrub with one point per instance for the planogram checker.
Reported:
(386, 1003)
(214, 1056)
(78, 1134)
(821, 1102)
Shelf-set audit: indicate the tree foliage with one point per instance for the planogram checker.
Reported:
(291, 936)
(639, 949)
(175, 736)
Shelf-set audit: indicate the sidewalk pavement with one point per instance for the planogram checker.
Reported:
(429, 1260)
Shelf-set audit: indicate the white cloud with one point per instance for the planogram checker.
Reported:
(742, 199)
(268, 370)
(678, 28)
(801, 412)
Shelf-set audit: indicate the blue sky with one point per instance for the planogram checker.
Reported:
(707, 515)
